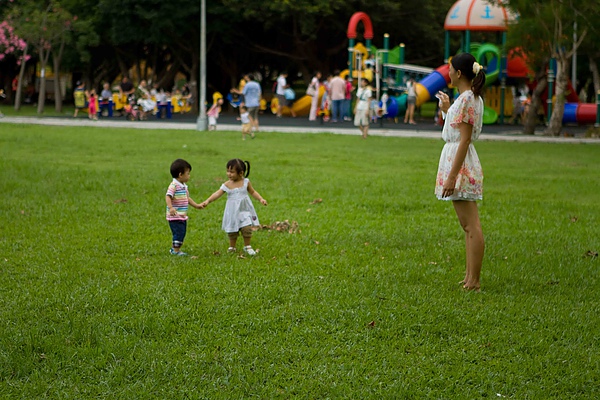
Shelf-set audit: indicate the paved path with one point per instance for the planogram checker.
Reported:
(288, 125)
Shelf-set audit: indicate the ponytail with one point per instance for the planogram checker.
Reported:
(247, 168)
(478, 83)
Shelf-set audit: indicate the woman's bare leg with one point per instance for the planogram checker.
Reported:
(468, 216)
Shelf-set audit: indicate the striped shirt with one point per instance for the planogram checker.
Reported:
(179, 194)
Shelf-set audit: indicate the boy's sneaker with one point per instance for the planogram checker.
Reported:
(249, 250)
(177, 253)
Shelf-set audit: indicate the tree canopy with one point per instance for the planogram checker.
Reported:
(158, 38)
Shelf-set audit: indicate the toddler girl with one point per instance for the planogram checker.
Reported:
(246, 123)
(213, 114)
(239, 215)
(92, 109)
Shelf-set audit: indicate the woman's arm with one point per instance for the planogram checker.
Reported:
(466, 130)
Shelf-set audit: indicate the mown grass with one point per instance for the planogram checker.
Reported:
(363, 302)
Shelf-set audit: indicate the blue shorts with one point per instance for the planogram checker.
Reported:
(179, 229)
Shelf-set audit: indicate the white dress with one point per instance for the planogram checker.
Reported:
(314, 104)
(469, 182)
(239, 210)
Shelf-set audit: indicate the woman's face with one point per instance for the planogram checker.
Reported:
(454, 75)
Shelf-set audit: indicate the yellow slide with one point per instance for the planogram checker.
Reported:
(301, 106)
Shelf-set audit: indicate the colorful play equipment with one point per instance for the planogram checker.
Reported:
(301, 107)
(465, 16)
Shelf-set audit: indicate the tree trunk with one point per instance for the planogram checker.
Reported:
(58, 100)
(531, 119)
(169, 76)
(558, 110)
(44, 56)
(19, 93)
(8, 84)
(595, 76)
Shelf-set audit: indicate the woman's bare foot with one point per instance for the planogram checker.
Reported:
(472, 287)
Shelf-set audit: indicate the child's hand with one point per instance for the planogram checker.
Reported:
(172, 211)
(263, 202)
(203, 204)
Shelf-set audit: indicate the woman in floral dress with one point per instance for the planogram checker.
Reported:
(460, 177)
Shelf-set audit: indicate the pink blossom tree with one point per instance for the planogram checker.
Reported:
(12, 44)
(46, 29)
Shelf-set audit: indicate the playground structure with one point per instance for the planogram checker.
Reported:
(465, 16)
(461, 17)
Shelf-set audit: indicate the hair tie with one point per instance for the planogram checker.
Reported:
(476, 67)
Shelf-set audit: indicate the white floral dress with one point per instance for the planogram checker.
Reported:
(469, 182)
(239, 210)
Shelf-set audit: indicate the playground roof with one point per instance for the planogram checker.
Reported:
(477, 15)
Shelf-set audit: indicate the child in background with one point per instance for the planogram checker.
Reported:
(92, 110)
(213, 114)
(361, 109)
(246, 125)
(239, 215)
(178, 199)
(79, 97)
(373, 108)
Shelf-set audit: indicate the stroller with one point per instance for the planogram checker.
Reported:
(132, 110)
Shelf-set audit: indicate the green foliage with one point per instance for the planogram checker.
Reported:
(361, 303)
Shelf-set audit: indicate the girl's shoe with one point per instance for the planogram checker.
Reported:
(249, 250)
(231, 250)
(177, 253)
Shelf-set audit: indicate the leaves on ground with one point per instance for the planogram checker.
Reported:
(592, 254)
(282, 226)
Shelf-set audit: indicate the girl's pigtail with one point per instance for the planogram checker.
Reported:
(247, 168)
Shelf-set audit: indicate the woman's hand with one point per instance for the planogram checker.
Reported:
(448, 188)
(444, 101)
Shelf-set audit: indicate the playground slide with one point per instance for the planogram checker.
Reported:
(439, 79)
(301, 106)
(575, 112)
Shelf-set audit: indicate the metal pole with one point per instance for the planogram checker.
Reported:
(350, 56)
(574, 60)
(386, 47)
(503, 74)
(400, 74)
(202, 122)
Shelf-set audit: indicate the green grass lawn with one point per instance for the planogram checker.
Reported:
(362, 302)
(29, 110)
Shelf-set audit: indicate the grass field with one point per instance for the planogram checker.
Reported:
(362, 302)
